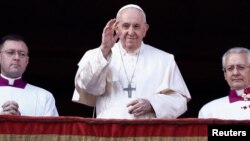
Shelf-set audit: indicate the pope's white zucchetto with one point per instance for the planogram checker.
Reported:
(131, 6)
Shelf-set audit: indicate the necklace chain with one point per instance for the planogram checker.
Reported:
(130, 81)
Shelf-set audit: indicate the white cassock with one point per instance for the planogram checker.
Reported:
(100, 82)
(222, 109)
(32, 100)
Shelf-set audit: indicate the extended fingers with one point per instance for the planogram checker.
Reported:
(110, 25)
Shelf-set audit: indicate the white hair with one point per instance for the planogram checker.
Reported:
(131, 6)
(235, 50)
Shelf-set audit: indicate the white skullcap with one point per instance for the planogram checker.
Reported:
(131, 6)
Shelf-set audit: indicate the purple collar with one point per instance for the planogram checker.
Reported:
(233, 97)
(18, 83)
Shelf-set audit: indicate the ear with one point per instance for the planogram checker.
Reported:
(115, 26)
(27, 60)
(146, 27)
(225, 75)
(0, 60)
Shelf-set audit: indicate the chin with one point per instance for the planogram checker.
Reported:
(15, 74)
(238, 87)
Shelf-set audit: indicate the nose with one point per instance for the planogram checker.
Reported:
(235, 70)
(17, 55)
(131, 31)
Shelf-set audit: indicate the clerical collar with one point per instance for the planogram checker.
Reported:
(18, 82)
(239, 95)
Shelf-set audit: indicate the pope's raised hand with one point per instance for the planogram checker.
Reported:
(109, 37)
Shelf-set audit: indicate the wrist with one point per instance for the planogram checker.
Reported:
(105, 51)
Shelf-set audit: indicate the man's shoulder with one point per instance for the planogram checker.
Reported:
(217, 102)
(154, 50)
(37, 89)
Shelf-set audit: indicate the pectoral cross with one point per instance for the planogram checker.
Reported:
(129, 89)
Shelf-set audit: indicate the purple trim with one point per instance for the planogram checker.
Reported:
(19, 83)
(233, 97)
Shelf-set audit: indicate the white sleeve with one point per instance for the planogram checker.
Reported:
(173, 103)
(92, 72)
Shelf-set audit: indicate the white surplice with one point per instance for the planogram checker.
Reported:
(100, 82)
(32, 100)
(221, 108)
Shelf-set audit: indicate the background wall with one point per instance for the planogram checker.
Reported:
(59, 32)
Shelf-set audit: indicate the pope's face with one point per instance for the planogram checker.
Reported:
(132, 28)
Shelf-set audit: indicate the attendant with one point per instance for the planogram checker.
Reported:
(236, 68)
(18, 97)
